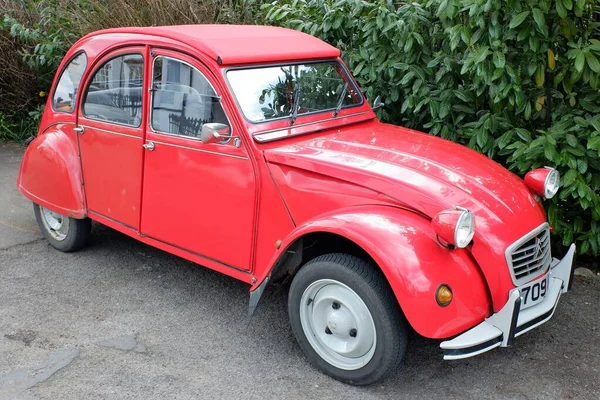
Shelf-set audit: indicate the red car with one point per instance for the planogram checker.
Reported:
(252, 151)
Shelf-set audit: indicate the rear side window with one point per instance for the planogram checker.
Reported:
(65, 93)
(115, 91)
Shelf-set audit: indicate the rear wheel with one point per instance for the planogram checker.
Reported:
(346, 319)
(62, 232)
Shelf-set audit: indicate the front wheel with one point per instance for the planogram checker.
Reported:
(62, 232)
(346, 319)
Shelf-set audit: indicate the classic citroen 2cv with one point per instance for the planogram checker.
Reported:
(252, 151)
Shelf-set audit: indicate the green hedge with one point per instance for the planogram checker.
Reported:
(516, 80)
(35, 35)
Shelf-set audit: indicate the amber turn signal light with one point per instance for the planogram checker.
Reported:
(443, 295)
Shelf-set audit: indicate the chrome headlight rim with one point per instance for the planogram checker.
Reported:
(466, 217)
(553, 178)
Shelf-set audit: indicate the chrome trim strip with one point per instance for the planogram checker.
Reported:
(111, 132)
(509, 251)
(199, 150)
(274, 134)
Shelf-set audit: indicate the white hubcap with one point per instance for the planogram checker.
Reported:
(57, 225)
(338, 324)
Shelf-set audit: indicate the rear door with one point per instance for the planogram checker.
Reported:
(197, 197)
(110, 137)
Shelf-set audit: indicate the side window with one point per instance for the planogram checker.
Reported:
(183, 99)
(65, 93)
(115, 92)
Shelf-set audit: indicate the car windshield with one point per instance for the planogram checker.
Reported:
(266, 93)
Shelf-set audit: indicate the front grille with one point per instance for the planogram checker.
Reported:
(529, 256)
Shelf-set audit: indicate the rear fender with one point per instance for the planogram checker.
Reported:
(404, 246)
(50, 173)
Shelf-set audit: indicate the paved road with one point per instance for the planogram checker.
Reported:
(121, 320)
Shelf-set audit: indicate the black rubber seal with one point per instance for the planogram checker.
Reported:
(513, 322)
(536, 320)
(472, 349)
(572, 274)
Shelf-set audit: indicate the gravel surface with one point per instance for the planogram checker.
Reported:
(122, 320)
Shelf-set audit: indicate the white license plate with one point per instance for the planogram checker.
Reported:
(534, 292)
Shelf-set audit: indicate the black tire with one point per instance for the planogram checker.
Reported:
(373, 289)
(78, 232)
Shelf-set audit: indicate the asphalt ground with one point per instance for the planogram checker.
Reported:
(122, 320)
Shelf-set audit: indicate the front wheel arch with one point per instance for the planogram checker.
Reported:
(402, 245)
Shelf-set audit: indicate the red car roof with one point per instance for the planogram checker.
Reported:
(241, 44)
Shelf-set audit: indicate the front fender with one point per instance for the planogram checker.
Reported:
(50, 173)
(404, 246)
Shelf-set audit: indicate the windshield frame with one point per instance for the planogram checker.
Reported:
(343, 69)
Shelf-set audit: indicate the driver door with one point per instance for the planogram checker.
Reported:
(198, 197)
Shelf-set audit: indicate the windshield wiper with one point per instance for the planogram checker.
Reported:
(296, 100)
(341, 100)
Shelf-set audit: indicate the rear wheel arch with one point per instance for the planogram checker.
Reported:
(50, 173)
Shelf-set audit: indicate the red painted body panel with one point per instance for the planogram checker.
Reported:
(50, 172)
(240, 44)
(403, 245)
(112, 170)
(228, 207)
(194, 192)
(427, 174)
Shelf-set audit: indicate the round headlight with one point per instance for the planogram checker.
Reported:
(543, 182)
(551, 184)
(454, 227)
(465, 229)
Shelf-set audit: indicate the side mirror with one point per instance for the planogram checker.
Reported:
(215, 132)
(377, 104)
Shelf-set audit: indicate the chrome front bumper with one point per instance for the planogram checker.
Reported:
(500, 329)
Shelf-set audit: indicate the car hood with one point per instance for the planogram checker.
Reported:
(427, 174)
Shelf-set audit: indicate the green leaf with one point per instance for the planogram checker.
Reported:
(579, 61)
(571, 140)
(481, 55)
(518, 19)
(582, 166)
(523, 134)
(561, 10)
(540, 21)
(409, 75)
(568, 4)
(463, 95)
(595, 45)
(499, 59)
(569, 177)
(594, 143)
(592, 62)
(482, 138)
(549, 151)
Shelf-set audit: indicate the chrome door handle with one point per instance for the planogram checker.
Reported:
(149, 146)
(79, 129)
